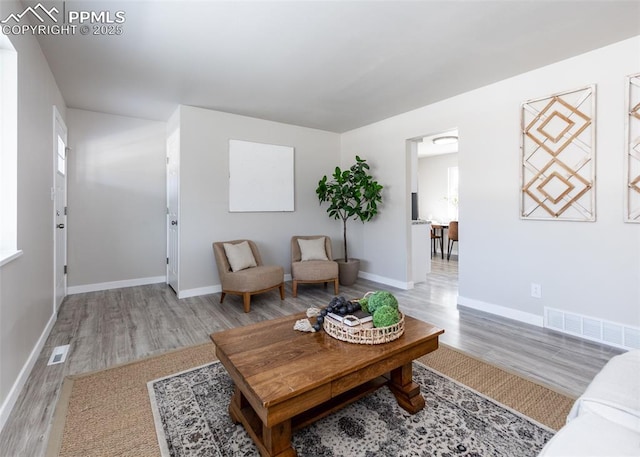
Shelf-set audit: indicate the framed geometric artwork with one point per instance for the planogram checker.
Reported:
(632, 156)
(558, 157)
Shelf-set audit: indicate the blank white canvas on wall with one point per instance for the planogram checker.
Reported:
(261, 177)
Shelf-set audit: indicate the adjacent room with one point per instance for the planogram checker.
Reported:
(319, 228)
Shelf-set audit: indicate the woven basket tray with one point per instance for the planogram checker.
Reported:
(358, 334)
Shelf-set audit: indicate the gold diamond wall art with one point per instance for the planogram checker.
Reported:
(558, 157)
(632, 160)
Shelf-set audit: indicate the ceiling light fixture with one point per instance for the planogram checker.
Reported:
(449, 139)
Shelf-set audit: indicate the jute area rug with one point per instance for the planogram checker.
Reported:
(109, 412)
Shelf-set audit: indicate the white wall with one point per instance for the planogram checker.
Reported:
(26, 283)
(204, 192)
(433, 185)
(116, 199)
(589, 268)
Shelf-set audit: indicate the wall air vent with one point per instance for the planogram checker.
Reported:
(590, 328)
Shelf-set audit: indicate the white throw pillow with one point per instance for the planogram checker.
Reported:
(239, 256)
(312, 249)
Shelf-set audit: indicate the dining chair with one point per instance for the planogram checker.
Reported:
(453, 236)
(434, 240)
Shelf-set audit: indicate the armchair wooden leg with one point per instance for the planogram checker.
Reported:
(246, 297)
(282, 291)
(294, 286)
(222, 295)
(335, 286)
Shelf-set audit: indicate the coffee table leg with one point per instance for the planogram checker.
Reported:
(406, 391)
(271, 441)
(277, 440)
(238, 401)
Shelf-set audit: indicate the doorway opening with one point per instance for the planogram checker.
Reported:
(434, 186)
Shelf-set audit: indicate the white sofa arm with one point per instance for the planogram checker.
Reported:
(591, 435)
(614, 393)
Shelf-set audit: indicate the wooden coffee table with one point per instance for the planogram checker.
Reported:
(286, 379)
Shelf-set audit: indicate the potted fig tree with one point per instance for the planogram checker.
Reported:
(351, 194)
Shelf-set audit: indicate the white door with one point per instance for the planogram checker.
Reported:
(59, 195)
(173, 209)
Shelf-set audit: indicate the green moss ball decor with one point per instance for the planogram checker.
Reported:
(363, 304)
(386, 316)
(381, 298)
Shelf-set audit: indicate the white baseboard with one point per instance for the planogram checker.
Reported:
(385, 280)
(21, 380)
(503, 311)
(72, 290)
(188, 293)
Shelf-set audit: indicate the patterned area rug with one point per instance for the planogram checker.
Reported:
(190, 410)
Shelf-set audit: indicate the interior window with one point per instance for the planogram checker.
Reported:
(62, 158)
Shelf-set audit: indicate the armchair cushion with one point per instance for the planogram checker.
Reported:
(239, 256)
(312, 270)
(312, 249)
(254, 279)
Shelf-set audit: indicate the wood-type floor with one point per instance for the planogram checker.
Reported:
(117, 326)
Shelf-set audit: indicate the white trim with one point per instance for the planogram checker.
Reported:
(188, 293)
(208, 290)
(384, 280)
(21, 380)
(503, 311)
(72, 290)
(8, 256)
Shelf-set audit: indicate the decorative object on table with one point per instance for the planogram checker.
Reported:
(339, 309)
(632, 159)
(351, 194)
(558, 157)
(369, 335)
(373, 319)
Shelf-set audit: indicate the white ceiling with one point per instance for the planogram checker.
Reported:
(332, 65)
(427, 148)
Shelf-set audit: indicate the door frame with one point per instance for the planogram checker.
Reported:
(173, 162)
(59, 127)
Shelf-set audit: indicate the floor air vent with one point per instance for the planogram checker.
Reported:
(593, 329)
(59, 355)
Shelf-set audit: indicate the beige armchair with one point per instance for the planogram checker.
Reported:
(242, 272)
(312, 262)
